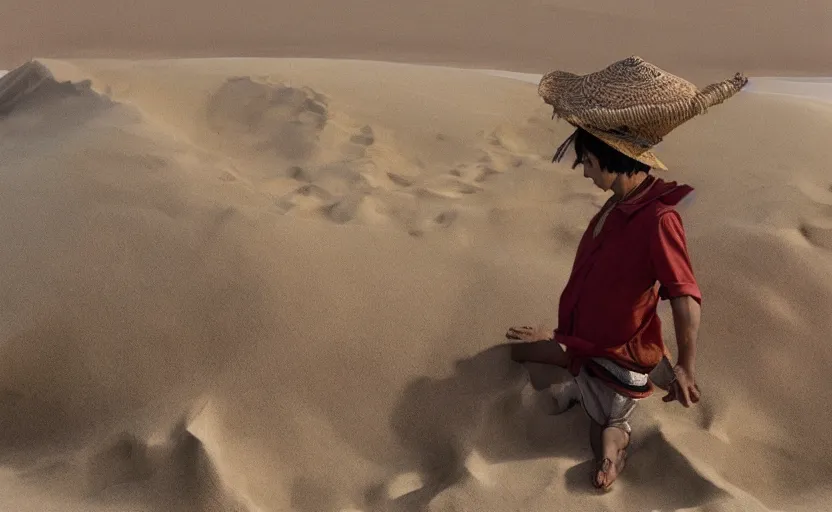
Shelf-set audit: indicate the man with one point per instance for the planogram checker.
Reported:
(633, 253)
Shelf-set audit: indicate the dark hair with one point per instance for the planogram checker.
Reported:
(609, 158)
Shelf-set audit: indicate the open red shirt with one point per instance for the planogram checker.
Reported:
(608, 308)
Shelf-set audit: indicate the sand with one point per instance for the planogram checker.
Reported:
(282, 285)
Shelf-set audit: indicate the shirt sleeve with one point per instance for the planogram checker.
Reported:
(670, 260)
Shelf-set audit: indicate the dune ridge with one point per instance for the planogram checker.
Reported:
(281, 285)
(758, 37)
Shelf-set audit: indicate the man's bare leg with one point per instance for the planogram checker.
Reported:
(614, 443)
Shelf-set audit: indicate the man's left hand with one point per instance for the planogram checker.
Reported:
(683, 388)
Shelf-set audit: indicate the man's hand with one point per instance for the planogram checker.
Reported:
(526, 333)
(683, 388)
(686, 317)
(537, 345)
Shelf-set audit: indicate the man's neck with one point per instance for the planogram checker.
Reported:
(625, 185)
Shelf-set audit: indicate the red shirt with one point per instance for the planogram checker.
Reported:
(608, 308)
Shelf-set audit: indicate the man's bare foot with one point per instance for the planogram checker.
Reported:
(607, 471)
(610, 463)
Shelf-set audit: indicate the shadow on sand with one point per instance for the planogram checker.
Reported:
(490, 405)
(486, 406)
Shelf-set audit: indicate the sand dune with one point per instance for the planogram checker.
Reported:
(255, 285)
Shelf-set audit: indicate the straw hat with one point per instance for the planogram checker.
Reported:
(631, 104)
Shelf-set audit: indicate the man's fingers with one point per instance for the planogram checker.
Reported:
(695, 394)
(522, 333)
(685, 396)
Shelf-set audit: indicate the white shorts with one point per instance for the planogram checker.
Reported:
(602, 404)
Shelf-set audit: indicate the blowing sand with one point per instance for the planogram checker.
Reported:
(281, 285)
(706, 38)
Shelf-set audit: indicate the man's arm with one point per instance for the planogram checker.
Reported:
(686, 315)
(543, 351)
(537, 345)
(673, 270)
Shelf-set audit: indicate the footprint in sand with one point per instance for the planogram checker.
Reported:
(485, 172)
(300, 174)
(365, 138)
(463, 188)
(432, 193)
(400, 180)
(268, 118)
(344, 209)
(310, 195)
(445, 219)
(356, 147)
(479, 173)
(818, 232)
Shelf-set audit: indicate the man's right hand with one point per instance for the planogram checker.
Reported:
(530, 334)
(537, 345)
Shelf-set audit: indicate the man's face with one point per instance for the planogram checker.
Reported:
(592, 170)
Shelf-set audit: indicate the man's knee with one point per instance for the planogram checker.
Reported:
(621, 427)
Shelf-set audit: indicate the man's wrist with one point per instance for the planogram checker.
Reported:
(687, 366)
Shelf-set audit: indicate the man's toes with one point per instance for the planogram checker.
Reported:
(606, 481)
(602, 468)
(608, 472)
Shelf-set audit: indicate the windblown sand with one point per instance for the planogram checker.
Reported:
(282, 285)
(705, 39)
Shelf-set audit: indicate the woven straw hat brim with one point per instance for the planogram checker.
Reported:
(634, 151)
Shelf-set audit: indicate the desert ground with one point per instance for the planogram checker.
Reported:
(262, 258)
